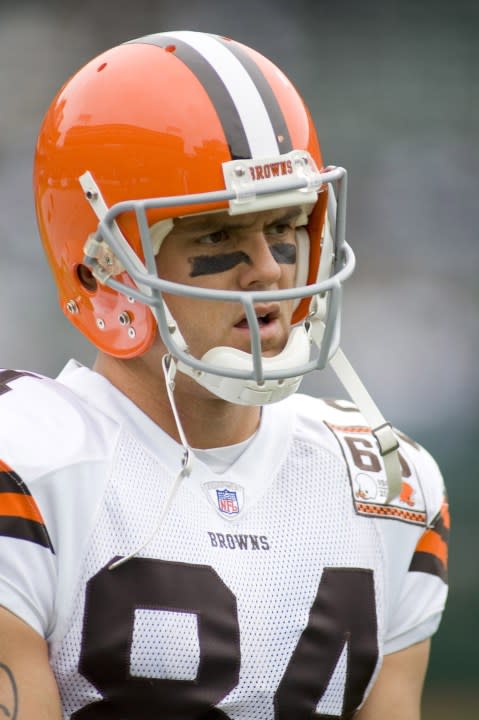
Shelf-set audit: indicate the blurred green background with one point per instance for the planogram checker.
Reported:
(393, 87)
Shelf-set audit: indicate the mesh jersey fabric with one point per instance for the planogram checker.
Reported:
(257, 574)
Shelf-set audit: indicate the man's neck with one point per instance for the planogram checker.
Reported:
(207, 420)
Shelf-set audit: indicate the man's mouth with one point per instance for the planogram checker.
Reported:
(265, 316)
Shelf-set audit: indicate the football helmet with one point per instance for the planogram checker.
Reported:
(173, 124)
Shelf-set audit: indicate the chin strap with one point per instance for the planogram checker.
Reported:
(382, 430)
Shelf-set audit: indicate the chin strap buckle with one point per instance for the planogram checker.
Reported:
(386, 439)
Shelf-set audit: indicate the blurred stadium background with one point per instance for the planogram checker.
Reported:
(393, 86)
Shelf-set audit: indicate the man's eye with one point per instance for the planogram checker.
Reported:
(280, 229)
(213, 238)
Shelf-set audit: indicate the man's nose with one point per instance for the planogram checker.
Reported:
(262, 270)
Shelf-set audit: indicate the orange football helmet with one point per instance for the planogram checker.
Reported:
(167, 125)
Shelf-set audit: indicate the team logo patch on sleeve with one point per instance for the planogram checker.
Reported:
(19, 514)
(368, 478)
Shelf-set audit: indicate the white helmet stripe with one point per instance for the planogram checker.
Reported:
(251, 118)
(244, 93)
(266, 91)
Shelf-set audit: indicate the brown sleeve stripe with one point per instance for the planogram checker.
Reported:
(19, 514)
(431, 554)
(427, 563)
(22, 529)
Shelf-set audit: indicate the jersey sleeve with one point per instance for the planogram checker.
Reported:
(28, 563)
(418, 562)
(413, 527)
(54, 460)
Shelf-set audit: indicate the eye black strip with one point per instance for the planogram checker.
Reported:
(228, 114)
(264, 88)
(212, 264)
(284, 253)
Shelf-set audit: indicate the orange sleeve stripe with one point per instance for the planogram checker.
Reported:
(351, 428)
(432, 543)
(445, 515)
(19, 505)
(4, 467)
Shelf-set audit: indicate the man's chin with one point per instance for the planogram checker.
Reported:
(272, 352)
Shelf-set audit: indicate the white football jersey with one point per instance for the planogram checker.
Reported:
(270, 590)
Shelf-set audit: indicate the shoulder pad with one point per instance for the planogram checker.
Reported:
(46, 426)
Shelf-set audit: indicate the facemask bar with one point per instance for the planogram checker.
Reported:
(151, 287)
(326, 307)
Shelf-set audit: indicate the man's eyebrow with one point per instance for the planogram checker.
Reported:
(212, 223)
(288, 214)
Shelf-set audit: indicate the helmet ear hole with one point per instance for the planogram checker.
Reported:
(86, 278)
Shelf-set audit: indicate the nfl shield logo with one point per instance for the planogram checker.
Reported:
(227, 501)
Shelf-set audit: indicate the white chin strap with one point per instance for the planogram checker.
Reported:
(249, 392)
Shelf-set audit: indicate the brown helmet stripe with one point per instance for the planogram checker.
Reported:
(275, 113)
